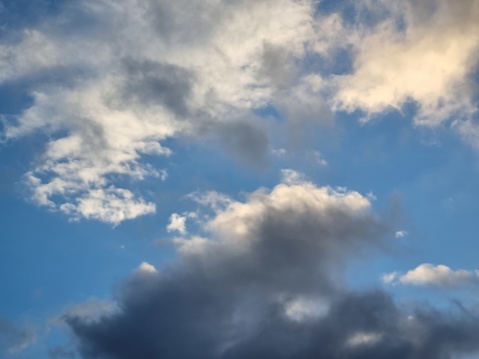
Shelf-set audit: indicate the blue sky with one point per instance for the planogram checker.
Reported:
(239, 179)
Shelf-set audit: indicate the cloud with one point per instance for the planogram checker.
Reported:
(218, 202)
(13, 341)
(401, 234)
(146, 268)
(109, 82)
(420, 51)
(177, 223)
(90, 310)
(433, 275)
(113, 86)
(246, 140)
(265, 282)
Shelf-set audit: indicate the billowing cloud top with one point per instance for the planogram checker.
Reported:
(109, 81)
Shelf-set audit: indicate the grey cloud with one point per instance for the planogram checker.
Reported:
(226, 297)
(180, 318)
(246, 140)
(12, 339)
(276, 65)
(355, 317)
(152, 83)
(119, 78)
(178, 22)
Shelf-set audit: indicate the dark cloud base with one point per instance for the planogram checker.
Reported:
(190, 321)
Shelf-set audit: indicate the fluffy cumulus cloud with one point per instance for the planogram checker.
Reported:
(107, 82)
(428, 274)
(263, 280)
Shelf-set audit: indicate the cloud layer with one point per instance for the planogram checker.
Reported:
(264, 281)
(108, 82)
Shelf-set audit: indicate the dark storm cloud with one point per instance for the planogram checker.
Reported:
(364, 325)
(188, 319)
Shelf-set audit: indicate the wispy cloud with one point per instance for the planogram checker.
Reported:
(13, 341)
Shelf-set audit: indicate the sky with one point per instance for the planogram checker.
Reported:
(229, 179)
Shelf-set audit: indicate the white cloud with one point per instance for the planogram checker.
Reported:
(290, 176)
(428, 274)
(146, 268)
(91, 310)
(401, 234)
(428, 61)
(140, 72)
(302, 309)
(279, 152)
(319, 158)
(111, 205)
(234, 228)
(212, 199)
(177, 223)
(363, 339)
(390, 278)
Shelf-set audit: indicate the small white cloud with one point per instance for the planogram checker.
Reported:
(428, 274)
(302, 309)
(363, 339)
(215, 200)
(319, 159)
(110, 205)
(291, 177)
(146, 268)
(280, 152)
(401, 234)
(177, 223)
(390, 278)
